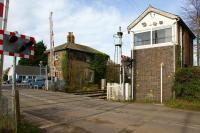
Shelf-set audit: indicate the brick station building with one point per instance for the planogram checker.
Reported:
(159, 38)
(79, 58)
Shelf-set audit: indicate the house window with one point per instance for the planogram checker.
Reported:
(142, 38)
(87, 59)
(20, 77)
(56, 56)
(89, 75)
(162, 36)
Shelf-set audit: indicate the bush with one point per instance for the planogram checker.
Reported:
(5, 77)
(28, 128)
(98, 64)
(187, 83)
(6, 124)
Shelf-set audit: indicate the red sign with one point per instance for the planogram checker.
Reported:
(13, 44)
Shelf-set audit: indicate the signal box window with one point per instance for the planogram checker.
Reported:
(162, 36)
(142, 38)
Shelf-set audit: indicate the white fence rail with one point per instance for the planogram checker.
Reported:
(117, 92)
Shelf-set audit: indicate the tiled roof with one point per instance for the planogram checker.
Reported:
(77, 47)
(27, 70)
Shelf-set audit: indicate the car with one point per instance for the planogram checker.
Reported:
(31, 81)
(18, 80)
(25, 81)
(38, 83)
(9, 81)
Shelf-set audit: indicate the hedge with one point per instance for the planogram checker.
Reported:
(187, 83)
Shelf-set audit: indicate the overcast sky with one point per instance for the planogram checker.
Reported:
(93, 21)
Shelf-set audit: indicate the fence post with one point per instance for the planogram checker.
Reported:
(17, 113)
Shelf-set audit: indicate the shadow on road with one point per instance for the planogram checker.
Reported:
(186, 122)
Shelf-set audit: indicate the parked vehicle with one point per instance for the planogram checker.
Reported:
(31, 81)
(18, 80)
(27, 81)
(37, 83)
(9, 81)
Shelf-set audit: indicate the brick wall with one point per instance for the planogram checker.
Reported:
(59, 55)
(147, 72)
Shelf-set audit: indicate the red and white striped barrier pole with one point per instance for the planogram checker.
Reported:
(1, 27)
(1, 13)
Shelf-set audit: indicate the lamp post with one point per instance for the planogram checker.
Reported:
(118, 58)
(47, 82)
(40, 68)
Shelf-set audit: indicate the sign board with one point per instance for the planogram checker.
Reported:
(14, 44)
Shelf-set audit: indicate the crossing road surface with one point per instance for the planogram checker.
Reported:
(57, 112)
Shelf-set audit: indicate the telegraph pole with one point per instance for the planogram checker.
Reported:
(52, 54)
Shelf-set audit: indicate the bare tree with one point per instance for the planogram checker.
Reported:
(192, 15)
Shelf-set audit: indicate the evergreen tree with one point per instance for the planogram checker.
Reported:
(38, 56)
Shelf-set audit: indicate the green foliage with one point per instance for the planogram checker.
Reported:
(184, 104)
(39, 56)
(28, 128)
(98, 64)
(64, 66)
(6, 124)
(5, 77)
(187, 83)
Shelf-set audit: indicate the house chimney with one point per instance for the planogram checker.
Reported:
(70, 38)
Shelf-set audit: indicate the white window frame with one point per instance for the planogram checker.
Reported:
(56, 56)
(151, 45)
(162, 29)
(142, 32)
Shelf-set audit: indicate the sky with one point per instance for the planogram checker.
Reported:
(93, 22)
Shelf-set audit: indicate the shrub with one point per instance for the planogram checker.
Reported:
(187, 83)
(5, 77)
(98, 64)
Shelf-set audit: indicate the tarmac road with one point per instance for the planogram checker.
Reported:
(57, 112)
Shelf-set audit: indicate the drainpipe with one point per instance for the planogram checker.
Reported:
(123, 82)
(174, 49)
(175, 41)
(132, 69)
(132, 77)
(181, 43)
(161, 82)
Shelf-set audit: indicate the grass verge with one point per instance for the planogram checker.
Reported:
(184, 104)
(7, 126)
(26, 127)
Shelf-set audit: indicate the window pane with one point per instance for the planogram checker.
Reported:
(162, 36)
(142, 38)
